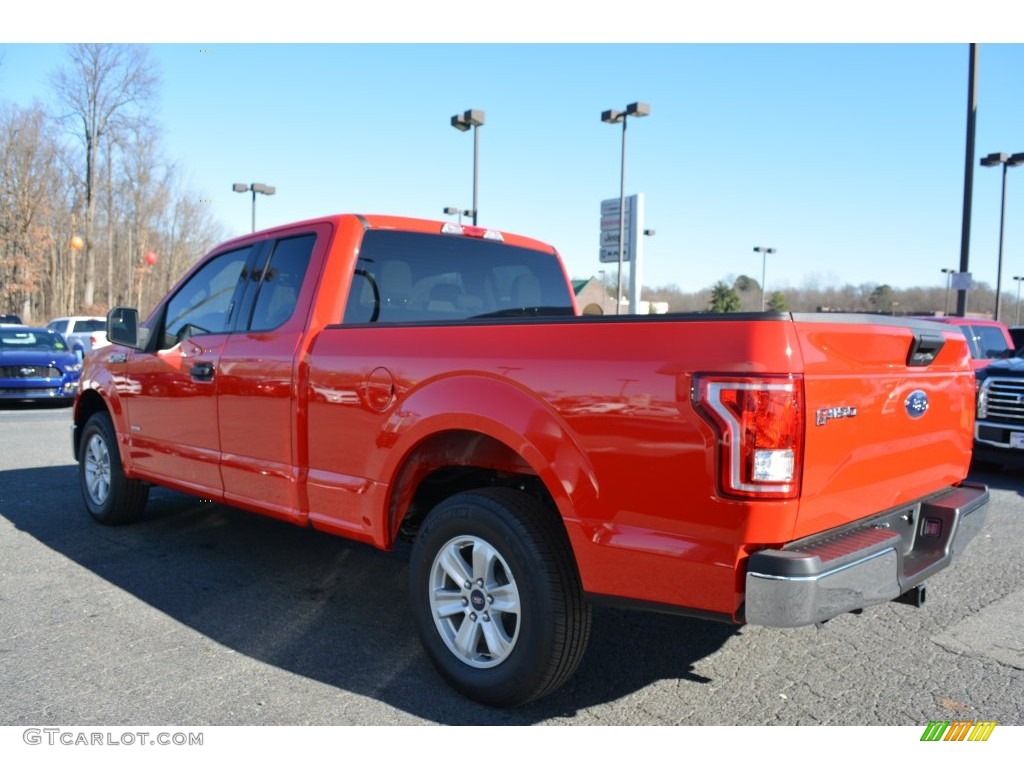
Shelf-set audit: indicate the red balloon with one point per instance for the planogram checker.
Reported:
(150, 258)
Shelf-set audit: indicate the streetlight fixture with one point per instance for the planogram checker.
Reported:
(1018, 279)
(263, 189)
(949, 278)
(1007, 161)
(471, 118)
(612, 116)
(451, 210)
(764, 259)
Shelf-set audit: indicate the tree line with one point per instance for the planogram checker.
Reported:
(92, 214)
(743, 294)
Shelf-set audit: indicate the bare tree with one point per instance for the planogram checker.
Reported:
(103, 88)
(146, 181)
(187, 233)
(29, 184)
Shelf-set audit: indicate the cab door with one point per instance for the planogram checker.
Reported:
(258, 390)
(170, 390)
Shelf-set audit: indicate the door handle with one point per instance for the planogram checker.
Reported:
(202, 371)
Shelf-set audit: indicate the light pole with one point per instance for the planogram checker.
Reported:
(612, 116)
(471, 118)
(1007, 161)
(949, 278)
(764, 259)
(263, 189)
(1018, 279)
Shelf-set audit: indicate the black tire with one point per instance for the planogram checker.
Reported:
(110, 497)
(519, 632)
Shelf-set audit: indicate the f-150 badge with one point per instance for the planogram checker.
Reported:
(823, 415)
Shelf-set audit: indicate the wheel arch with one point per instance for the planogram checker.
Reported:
(476, 432)
(88, 403)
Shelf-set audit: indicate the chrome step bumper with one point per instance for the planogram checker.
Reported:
(817, 578)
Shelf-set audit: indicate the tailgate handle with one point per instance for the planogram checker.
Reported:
(925, 348)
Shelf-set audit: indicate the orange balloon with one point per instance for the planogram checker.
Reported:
(77, 243)
(150, 258)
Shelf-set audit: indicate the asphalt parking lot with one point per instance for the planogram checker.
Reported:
(206, 615)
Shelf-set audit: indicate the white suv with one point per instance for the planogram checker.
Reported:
(83, 334)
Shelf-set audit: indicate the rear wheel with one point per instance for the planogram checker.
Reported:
(110, 497)
(496, 597)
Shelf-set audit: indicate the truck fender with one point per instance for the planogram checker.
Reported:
(99, 392)
(525, 434)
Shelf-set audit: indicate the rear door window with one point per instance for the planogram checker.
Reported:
(279, 282)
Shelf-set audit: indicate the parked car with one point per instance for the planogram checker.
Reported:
(988, 340)
(10, 320)
(83, 334)
(36, 364)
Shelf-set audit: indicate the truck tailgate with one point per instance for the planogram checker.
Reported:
(890, 415)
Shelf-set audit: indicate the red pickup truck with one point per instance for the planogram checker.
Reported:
(380, 377)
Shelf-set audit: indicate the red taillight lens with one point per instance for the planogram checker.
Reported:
(760, 425)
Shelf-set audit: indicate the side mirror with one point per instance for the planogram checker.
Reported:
(123, 328)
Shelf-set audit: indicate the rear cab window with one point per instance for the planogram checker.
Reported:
(88, 326)
(416, 277)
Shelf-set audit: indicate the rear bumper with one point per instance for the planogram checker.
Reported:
(877, 560)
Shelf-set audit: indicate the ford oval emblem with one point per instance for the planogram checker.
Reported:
(916, 404)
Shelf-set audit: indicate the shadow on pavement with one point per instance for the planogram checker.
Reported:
(322, 607)
(996, 477)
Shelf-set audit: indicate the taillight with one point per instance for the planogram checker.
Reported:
(759, 421)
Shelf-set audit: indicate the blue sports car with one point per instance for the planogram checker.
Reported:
(36, 364)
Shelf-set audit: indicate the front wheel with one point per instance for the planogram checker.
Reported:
(496, 597)
(110, 497)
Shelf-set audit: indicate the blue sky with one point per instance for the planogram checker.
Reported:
(848, 158)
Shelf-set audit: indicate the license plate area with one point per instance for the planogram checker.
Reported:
(1017, 440)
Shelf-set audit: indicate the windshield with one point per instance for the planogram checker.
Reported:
(36, 340)
(990, 341)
